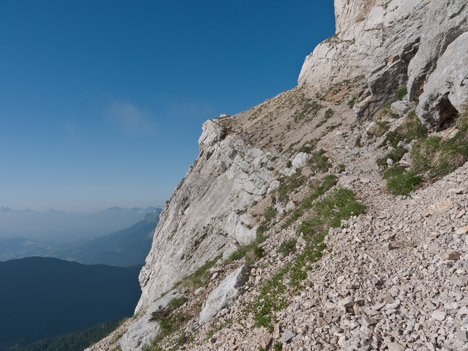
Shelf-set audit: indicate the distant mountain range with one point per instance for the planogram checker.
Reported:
(58, 226)
(43, 297)
(125, 247)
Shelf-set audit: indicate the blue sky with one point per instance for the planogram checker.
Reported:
(101, 102)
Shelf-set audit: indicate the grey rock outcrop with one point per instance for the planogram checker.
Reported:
(446, 90)
(224, 294)
(144, 330)
(199, 222)
(376, 42)
(394, 43)
(444, 22)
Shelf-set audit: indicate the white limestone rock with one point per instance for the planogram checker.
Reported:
(241, 227)
(444, 22)
(399, 108)
(212, 133)
(447, 86)
(300, 160)
(194, 228)
(227, 292)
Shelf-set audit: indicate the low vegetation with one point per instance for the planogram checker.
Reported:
(431, 156)
(340, 204)
(288, 185)
(170, 321)
(200, 277)
(319, 162)
(379, 129)
(318, 188)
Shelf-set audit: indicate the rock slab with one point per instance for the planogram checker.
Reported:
(225, 294)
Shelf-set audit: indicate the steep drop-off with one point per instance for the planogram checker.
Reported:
(378, 114)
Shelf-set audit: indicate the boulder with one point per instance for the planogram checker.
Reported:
(225, 294)
(399, 108)
(300, 160)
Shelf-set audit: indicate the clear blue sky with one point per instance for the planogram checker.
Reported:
(102, 101)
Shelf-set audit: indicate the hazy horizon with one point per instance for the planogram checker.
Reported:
(87, 211)
(67, 226)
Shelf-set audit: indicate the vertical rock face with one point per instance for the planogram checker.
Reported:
(446, 89)
(438, 73)
(394, 43)
(348, 12)
(200, 221)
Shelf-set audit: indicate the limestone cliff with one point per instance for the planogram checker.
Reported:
(258, 175)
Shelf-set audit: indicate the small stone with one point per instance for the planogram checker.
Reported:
(393, 346)
(365, 180)
(462, 335)
(438, 208)
(265, 341)
(438, 315)
(451, 255)
(389, 246)
(287, 336)
(460, 281)
(462, 230)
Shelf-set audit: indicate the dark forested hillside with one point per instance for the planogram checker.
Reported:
(44, 297)
(76, 341)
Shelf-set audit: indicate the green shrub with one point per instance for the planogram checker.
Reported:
(410, 129)
(277, 346)
(358, 142)
(401, 181)
(287, 247)
(270, 213)
(401, 93)
(439, 157)
(251, 248)
(431, 157)
(288, 185)
(318, 189)
(395, 155)
(319, 161)
(177, 302)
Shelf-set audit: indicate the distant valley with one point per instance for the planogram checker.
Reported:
(64, 227)
(125, 247)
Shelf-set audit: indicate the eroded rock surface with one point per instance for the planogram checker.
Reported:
(224, 294)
